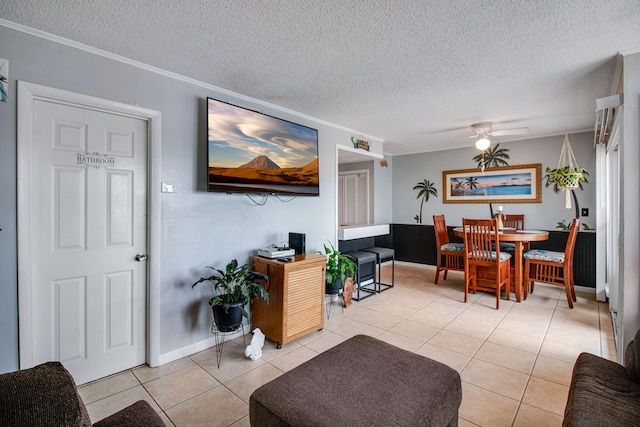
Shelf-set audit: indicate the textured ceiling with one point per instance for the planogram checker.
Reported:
(415, 74)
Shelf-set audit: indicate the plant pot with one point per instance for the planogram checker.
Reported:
(333, 289)
(228, 317)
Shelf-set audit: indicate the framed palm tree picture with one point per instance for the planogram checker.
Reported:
(509, 184)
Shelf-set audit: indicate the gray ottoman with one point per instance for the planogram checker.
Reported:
(361, 382)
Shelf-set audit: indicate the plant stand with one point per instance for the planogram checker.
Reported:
(220, 338)
(329, 303)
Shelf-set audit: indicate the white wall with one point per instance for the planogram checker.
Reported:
(198, 228)
(630, 203)
(383, 192)
(408, 170)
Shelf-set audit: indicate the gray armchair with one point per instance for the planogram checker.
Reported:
(604, 393)
(46, 395)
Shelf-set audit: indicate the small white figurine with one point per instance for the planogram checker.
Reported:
(254, 350)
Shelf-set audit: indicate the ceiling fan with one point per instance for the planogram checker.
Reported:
(484, 130)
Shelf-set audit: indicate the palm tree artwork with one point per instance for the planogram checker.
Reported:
(492, 158)
(460, 186)
(425, 189)
(471, 182)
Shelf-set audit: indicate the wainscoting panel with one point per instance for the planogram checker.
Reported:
(417, 243)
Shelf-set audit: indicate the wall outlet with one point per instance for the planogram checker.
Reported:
(585, 212)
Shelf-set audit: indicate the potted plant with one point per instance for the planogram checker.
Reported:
(562, 225)
(339, 267)
(236, 285)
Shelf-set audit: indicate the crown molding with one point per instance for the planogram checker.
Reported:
(172, 75)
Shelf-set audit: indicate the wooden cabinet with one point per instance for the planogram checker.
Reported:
(296, 298)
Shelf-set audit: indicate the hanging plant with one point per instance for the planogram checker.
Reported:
(549, 180)
(568, 177)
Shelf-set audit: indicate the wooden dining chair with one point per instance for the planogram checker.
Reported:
(555, 268)
(486, 268)
(450, 255)
(512, 221)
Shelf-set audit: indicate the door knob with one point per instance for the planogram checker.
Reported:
(141, 257)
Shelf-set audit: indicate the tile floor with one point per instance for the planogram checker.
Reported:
(515, 362)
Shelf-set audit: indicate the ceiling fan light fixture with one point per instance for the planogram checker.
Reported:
(483, 143)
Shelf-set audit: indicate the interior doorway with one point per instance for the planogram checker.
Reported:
(346, 156)
(353, 197)
(86, 169)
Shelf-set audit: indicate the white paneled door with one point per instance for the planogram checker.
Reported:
(88, 239)
(353, 198)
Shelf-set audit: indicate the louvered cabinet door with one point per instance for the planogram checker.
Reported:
(296, 298)
(305, 301)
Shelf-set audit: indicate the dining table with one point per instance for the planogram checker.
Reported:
(518, 238)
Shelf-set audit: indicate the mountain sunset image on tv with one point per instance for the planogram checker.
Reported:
(253, 152)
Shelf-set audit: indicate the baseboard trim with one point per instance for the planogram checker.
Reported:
(196, 347)
(433, 267)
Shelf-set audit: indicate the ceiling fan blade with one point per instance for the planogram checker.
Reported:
(514, 131)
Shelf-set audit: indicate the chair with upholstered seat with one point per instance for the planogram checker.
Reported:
(554, 268)
(450, 255)
(485, 267)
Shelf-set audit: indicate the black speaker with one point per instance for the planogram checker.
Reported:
(298, 241)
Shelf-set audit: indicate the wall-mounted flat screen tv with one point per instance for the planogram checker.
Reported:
(252, 152)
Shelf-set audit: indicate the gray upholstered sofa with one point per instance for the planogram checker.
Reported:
(46, 395)
(604, 393)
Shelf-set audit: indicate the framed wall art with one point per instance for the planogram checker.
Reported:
(509, 184)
